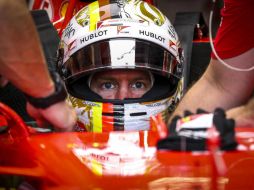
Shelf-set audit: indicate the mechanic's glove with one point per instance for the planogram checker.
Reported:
(192, 131)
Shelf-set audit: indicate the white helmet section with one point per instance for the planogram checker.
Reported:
(82, 31)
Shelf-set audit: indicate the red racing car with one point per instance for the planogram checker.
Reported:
(34, 158)
(117, 160)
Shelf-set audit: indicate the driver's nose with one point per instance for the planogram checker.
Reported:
(123, 93)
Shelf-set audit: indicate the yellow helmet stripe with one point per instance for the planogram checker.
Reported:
(97, 117)
(94, 13)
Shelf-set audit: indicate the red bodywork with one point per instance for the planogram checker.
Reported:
(119, 160)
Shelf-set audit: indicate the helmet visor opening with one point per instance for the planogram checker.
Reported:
(121, 53)
(162, 88)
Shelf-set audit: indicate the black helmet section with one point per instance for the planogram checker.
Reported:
(162, 88)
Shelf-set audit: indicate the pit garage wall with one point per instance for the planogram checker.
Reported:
(171, 7)
(198, 53)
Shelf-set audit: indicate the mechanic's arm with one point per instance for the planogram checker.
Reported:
(243, 115)
(220, 86)
(22, 62)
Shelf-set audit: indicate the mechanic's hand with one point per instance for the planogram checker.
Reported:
(193, 131)
(60, 115)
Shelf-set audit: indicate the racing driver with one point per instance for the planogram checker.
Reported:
(122, 63)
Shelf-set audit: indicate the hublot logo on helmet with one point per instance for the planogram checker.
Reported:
(95, 35)
(152, 35)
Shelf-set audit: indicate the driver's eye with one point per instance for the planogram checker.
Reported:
(108, 85)
(138, 85)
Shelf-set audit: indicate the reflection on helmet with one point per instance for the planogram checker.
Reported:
(129, 34)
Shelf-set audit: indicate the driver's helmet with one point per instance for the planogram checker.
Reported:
(124, 34)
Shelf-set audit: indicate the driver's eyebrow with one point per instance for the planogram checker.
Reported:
(105, 78)
(109, 78)
(141, 78)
